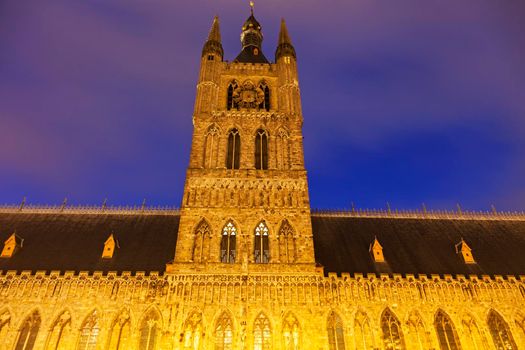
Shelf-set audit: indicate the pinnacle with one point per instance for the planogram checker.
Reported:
(215, 33)
(284, 37)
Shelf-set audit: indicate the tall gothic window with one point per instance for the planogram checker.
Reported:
(336, 336)
(363, 332)
(262, 333)
(149, 329)
(262, 245)
(211, 147)
(89, 333)
(228, 243)
(28, 332)
(265, 104)
(474, 338)
(120, 334)
(500, 332)
(283, 149)
(234, 149)
(224, 333)
(60, 332)
(201, 245)
(230, 103)
(416, 332)
(193, 332)
(261, 150)
(392, 333)
(448, 339)
(291, 332)
(287, 243)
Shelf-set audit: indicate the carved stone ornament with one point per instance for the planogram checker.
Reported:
(248, 95)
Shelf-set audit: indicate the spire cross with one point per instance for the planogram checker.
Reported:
(251, 6)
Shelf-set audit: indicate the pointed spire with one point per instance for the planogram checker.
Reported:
(285, 47)
(213, 43)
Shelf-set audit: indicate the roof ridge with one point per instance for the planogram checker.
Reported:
(89, 209)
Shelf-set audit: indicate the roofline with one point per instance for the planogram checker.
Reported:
(89, 209)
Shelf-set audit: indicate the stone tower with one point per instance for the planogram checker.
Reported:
(245, 207)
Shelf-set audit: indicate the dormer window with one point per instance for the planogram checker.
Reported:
(109, 247)
(12, 245)
(465, 251)
(376, 250)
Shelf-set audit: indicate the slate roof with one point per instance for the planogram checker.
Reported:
(74, 242)
(247, 56)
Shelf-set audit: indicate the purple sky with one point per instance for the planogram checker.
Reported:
(404, 101)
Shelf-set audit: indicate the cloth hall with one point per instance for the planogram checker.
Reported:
(245, 263)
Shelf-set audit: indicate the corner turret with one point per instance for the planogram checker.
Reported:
(213, 45)
(284, 47)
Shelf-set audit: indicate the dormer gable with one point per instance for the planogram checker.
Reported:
(465, 251)
(12, 245)
(376, 250)
(109, 247)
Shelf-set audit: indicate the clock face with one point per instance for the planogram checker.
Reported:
(248, 96)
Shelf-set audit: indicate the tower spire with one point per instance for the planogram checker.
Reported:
(213, 44)
(251, 40)
(285, 47)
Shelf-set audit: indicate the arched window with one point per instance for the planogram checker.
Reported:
(283, 149)
(262, 333)
(60, 332)
(291, 332)
(149, 329)
(392, 333)
(231, 103)
(448, 339)
(228, 243)
(224, 333)
(416, 332)
(201, 245)
(120, 335)
(261, 150)
(193, 332)
(234, 149)
(287, 243)
(28, 332)
(500, 332)
(262, 246)
(89, 333)
(265, 104)
(473, 336)
(211, 147)
(363, 332)
(336, 336)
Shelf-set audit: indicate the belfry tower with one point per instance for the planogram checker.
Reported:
(245, 207)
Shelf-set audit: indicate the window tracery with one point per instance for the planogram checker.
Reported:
(417, 334)
(228, 243)
(211, 146)
(475, 340)
(363, 332)
(262, 248)
(336, 337)
(60, 332)
(28, 332)
(265, 103)
(5, 321)
(193, 332)
(283, 149)
(149, 329)
(392, 333)
(261, 150)
(448, 339)
(120, 333)
(291, 332)
(89, 333)
(234, 149)
(500, 332)
(231, 103)
(201, 245)
(224, 332)
(287, 247)
(262, 333)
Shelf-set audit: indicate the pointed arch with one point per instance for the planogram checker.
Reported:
(150, 326)
(233, 151)
(193, 330)
(261, 149)
(5, 323)
(336, 336)
(291, 332)
(120, 336)
(364, 338)
(28, 331)
(211, 146)
(231, 103)
(89, 332)
(283, 149)
(229, 242)
(224, 332)
(60, 332)
(500, 331)
(473, 336)
(262, 244)
(287, 247)
(392, 332)
(262, 333)
(201, 243)
(447, 336)
(417, 335)
(265, 103)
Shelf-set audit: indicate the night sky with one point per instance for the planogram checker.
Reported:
(404, 101)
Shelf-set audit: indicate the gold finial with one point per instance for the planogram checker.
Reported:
(251, 6)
